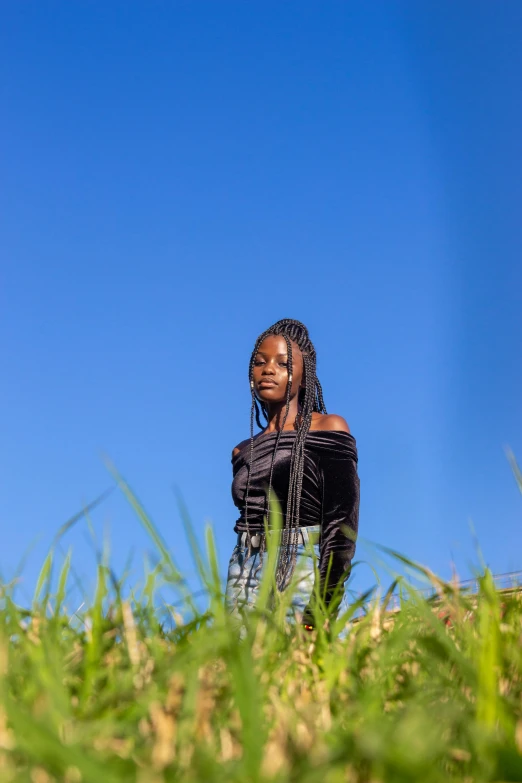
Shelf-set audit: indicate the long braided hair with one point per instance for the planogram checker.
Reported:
(310, 400)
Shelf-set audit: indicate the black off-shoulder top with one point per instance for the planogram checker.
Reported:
(330, 494)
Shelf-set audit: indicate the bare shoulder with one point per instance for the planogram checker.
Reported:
(330, 421)
(240, 446)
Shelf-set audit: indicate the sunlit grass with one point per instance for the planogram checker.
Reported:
(114, 692)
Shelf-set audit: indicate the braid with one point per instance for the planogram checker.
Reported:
(312, 402)
(252, 408)
(257, 406)
(320, 401)
(288, 390)
(290, 542)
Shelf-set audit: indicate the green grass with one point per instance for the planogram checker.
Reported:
(430, 693)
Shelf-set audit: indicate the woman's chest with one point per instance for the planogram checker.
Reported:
(277, 467)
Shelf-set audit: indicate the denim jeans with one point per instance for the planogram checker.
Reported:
(245, 573)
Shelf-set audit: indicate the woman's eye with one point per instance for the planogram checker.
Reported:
(284, 364)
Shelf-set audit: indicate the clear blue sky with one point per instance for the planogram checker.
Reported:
(178, 175)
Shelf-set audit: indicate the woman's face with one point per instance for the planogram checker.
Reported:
(270, 372)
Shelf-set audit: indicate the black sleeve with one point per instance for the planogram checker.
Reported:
(340, 517)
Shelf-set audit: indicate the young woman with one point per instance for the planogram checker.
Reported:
(308, 458)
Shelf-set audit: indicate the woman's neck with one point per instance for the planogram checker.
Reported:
(276, 415)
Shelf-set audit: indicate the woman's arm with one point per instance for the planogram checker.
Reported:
(340, 521)
(340, 518)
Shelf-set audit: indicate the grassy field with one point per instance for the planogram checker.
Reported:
(117, 692)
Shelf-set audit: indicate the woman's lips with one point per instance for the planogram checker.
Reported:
(267, 384)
